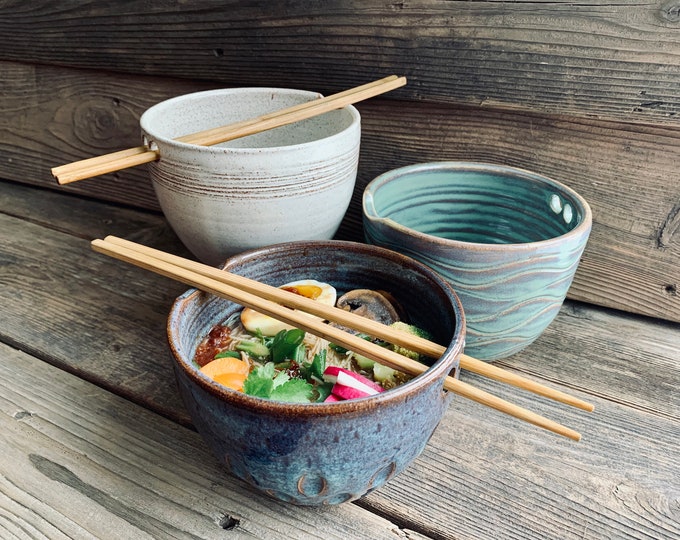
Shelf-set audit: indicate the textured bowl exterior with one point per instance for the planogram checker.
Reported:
(508, 240)
(291, 183)
(321, 453)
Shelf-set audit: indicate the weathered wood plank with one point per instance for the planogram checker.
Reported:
(505, 480)
(87, 219)
(609, 60)
(629, 354)
(52, 116)
(83, 312)
(80, 462)
(627, 172)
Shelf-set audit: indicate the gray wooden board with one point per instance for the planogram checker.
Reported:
(486, 475)
(592, 58)
(624, 358)
(482, 475)
(80, 462)
(85, 312)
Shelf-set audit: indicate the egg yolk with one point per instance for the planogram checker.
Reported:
(310, 291)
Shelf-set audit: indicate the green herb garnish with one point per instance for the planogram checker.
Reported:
(265, 382)
(287, 345)
(313, 371)
(293, 390)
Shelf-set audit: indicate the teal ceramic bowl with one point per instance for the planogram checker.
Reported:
(321, 453)
(508, 240)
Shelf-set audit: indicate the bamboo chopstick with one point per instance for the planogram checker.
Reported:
(362, 324)
(87, 168)
(321, 329)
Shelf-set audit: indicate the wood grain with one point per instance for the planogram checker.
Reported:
(79, 462)
(503, 481)
(599, 346)
(52, 116)
(115, 332)
(595, 58)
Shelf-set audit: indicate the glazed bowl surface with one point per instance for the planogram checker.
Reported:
(291, 183)
(320, 453)
(508, 240)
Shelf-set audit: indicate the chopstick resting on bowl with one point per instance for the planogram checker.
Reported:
(347, 319)
(276, 303)
(131, 157)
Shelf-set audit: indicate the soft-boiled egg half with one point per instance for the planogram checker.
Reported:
(254, 321)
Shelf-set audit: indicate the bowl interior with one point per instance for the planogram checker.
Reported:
(485, 205)
(206, 110)
(427, 298)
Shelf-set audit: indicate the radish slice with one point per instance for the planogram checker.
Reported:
(332, 398)
(347, 392)
(350, 385)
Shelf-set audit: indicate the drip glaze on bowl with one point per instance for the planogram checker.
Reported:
(321, 453)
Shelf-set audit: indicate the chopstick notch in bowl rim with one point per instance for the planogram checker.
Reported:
(276, 303)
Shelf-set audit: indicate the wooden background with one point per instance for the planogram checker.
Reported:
(587, 92)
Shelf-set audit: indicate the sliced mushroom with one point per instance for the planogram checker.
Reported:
(369, 304)
(401, 312)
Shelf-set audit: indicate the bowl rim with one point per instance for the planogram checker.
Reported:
(438, 369)
(370, 213)
(154, 137)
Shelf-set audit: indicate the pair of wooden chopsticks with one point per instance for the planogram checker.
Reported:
(87, 168)
(276, 303)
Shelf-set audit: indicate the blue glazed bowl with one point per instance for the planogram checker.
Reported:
(320, 453)
(508, 240)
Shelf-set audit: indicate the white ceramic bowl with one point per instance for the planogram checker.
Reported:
(290, 183)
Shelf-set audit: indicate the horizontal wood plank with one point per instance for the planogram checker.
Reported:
(51, 116)
(595, 58)
(84, 312)
(504, 479)
(80, 462)
(635, 360)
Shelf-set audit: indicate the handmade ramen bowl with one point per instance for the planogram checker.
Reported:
(320, 453)
(291, 183)
(508, 240)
